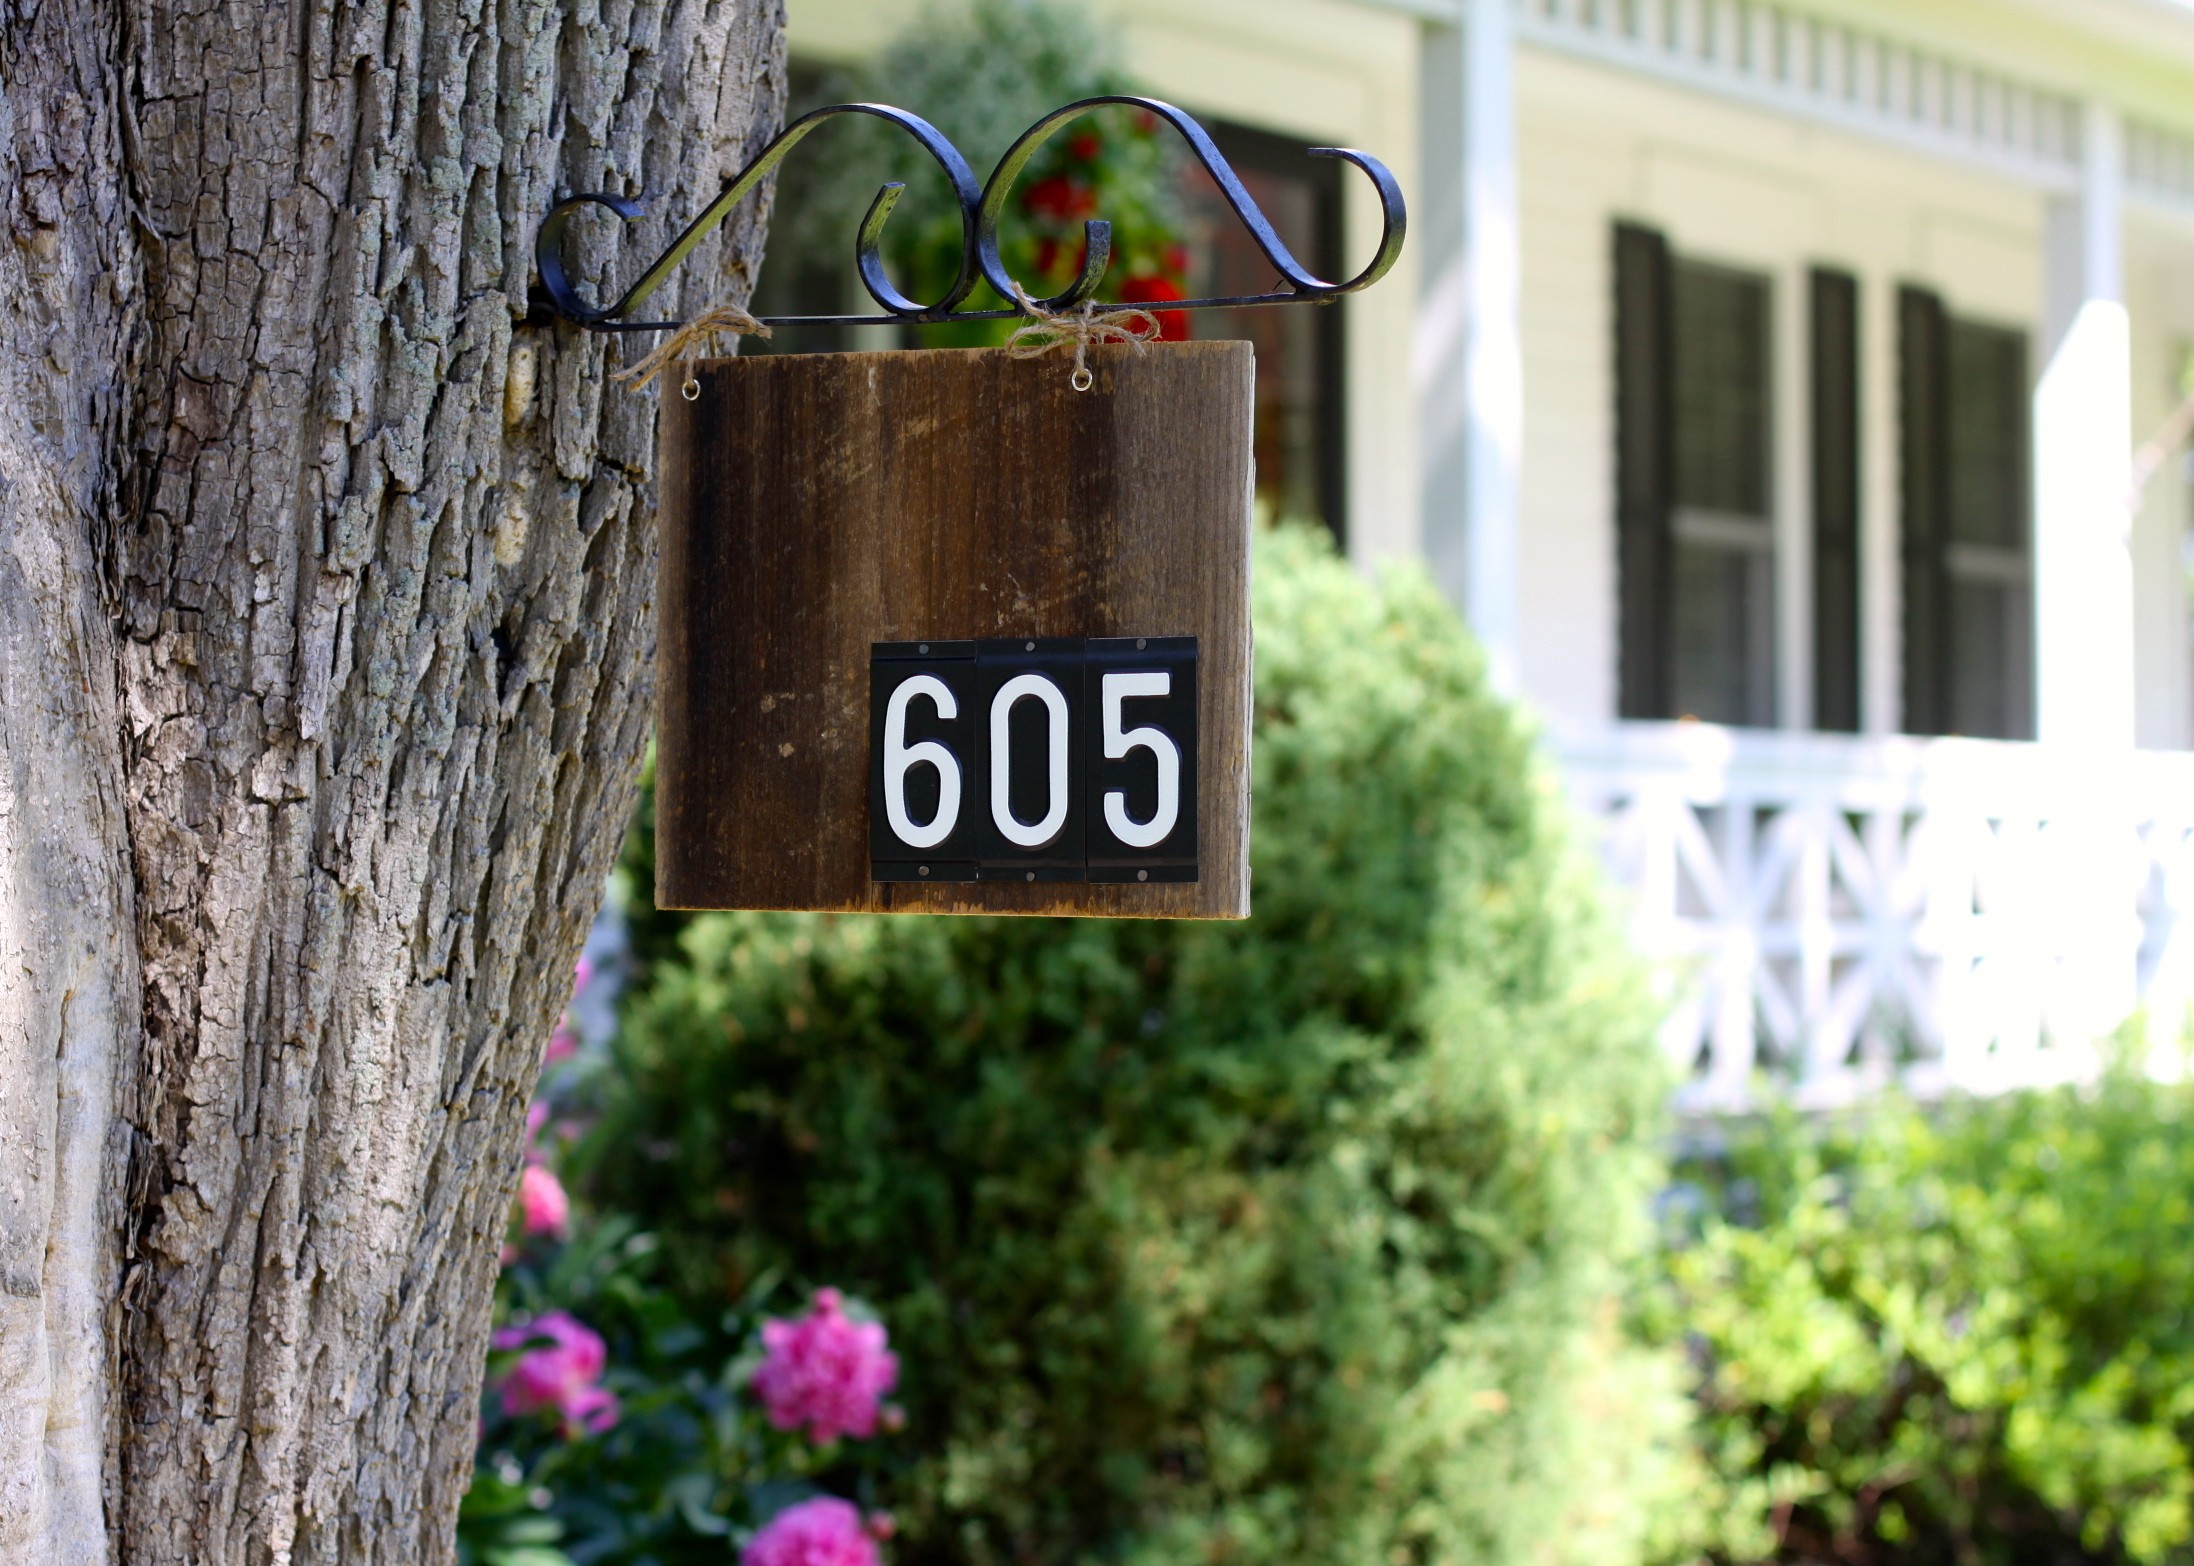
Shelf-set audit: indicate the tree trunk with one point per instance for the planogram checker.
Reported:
(325, 643)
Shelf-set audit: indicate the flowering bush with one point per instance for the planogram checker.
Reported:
(617, 1428)
(986, 75)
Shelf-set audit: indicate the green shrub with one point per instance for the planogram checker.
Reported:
(1295, 1240)
(1962, 1335)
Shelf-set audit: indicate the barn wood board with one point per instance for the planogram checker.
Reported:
(815, 505)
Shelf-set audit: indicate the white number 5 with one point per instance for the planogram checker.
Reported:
(899, 757)
(1119, 688)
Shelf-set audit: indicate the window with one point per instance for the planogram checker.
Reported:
(1968, 572)
(1723, 519)
(1695, 481)
(1300, 420)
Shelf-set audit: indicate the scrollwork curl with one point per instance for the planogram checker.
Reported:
(1301, 284)
(565, 300)
(981, 209)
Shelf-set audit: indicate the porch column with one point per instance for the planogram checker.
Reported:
(1470, 338)
(2083, 444)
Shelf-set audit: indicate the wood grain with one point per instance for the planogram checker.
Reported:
(813, 505)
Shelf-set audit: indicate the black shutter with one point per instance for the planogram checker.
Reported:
(1644, 464)
(1835, 309)
(1923, 380)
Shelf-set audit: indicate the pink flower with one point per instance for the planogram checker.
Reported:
(542, 1204)
(825, 1371)
(562, 1361)
(562, 1044)
(536, 1118)
(592, 1408)
(582, 972)
(823, 1532)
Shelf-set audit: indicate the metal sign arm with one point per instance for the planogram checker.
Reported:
(981, 210)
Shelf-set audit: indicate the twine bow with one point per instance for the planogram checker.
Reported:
(690, 341)
(1047, 329)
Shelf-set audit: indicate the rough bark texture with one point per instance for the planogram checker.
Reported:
(325, 610)
(68, 969)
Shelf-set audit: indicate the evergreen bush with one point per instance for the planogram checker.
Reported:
(1296, 1240)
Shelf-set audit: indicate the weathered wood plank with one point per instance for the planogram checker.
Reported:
(814, 505)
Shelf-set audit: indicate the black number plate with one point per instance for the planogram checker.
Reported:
(1058, 759)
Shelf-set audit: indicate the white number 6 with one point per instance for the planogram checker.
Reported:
(1119, 688)
(899, 757)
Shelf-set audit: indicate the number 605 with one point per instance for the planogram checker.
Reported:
(1048, 759)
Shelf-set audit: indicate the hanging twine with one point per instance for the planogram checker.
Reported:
(690, 342)
(1047, 329)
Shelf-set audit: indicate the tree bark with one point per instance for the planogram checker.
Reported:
(326, 618)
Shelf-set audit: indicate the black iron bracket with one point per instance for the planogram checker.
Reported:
(981, 207)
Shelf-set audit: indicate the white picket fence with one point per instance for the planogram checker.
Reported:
(1833, 913)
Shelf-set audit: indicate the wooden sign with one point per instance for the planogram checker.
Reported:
(941, 634)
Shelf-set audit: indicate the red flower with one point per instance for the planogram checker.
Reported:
(1176, 260)
(1056, 266)
(1085, 147)
(1060, 197)
(1173, 325)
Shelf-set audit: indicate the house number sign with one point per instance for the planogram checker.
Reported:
(956, 631)
(940, 633)
(1027, 759)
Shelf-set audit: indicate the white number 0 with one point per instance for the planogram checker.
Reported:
(1022, 687)
(899, 757)
(1141, 834)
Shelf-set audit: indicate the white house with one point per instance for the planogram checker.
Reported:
(1762, 380)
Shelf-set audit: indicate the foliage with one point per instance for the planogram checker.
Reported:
(1293, 1240)
(994, 70)
(1964, 1334)
(982, 74)
(669, 1454)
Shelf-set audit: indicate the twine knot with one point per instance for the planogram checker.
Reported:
(690, 341)
(1049, 329)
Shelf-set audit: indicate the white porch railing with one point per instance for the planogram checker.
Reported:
(1781, 57)
(1833, 913)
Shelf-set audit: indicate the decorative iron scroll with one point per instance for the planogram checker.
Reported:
(980, 211)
